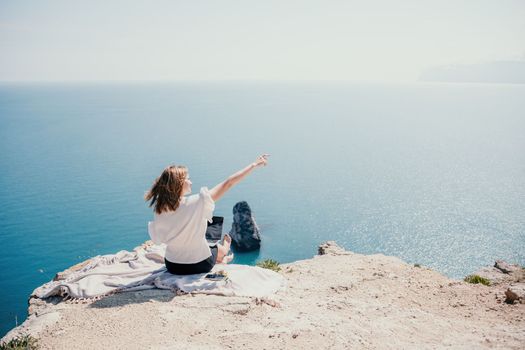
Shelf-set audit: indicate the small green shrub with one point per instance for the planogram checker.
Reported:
(269, 264)
(477, 279)
(25, 342)
(417, 265)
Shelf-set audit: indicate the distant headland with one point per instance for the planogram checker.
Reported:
(505, 72)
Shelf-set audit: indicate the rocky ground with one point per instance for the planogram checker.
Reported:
(337, 300)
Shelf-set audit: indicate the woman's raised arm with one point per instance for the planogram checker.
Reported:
(218, 191)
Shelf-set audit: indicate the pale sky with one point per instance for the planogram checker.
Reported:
(377, 40)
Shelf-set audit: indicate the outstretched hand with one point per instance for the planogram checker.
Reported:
(262, 160)
(218, 191)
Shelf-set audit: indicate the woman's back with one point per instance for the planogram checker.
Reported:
(184, 230)
(180, 222)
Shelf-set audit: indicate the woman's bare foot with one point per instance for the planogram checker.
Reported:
(227, 241)
(224, 250)
(227, 259)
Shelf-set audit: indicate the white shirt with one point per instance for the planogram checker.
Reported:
(184, 230)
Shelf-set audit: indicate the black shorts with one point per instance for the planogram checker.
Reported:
(189, 269)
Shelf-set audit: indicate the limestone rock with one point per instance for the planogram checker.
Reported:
(338, 300)
(506, 267)
(515, 292)
(330, 248)
(494, 275)
(509, 278)
(244, 232)
(502, 273)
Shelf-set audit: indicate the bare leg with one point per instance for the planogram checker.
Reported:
(223, 250)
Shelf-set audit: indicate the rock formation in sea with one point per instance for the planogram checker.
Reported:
(244, 232)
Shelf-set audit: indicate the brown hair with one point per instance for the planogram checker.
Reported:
(166, 192)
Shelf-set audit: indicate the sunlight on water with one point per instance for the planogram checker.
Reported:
(433, 174)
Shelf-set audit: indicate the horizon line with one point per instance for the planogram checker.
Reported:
(171, 81)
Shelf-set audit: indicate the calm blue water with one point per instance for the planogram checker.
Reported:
(431, 173)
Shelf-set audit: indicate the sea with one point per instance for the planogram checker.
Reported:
(432, 173)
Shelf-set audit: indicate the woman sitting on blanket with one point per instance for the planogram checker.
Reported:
(180, 222)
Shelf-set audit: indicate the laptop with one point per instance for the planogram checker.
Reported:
(214, 230)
